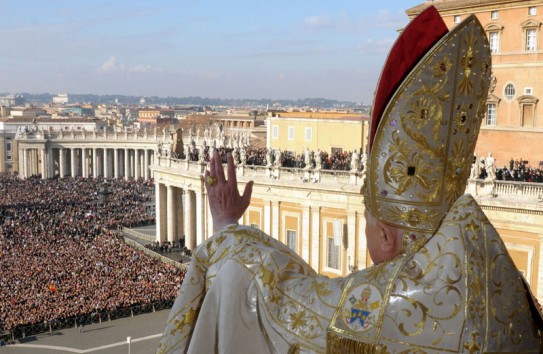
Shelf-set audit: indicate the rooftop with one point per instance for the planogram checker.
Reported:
(443, 5)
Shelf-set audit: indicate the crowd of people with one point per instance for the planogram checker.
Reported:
(61, 256)
(338, 160)
(523, 174)
(516, 170)
(169, 247)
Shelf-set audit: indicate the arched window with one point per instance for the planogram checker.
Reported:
(509, 91)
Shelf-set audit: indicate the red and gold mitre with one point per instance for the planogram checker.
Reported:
(428, 108)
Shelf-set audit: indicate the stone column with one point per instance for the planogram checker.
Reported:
(116, 162)
(171, 213)
(160, 212)
(210, 230)
(267, 218)
(95, 162)
(352, 258)
(200, 216)
(35, 160)
(84, 163)
(136, 164)
(152, 157)
(180, 227)
(146, 164)
(105, 163)
(126, 163)
(50, 162)
(275, 220)
(25, 163)
(29, 162)
(44, 164)
(306, 236)
(190, 220)
(73, 162)
(61, 162)
(315, 238)
(361, 246)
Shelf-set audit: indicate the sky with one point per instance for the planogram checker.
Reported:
(280, 49)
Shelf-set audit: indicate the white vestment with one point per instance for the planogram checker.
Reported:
(246, 292)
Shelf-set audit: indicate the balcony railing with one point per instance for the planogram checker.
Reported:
(109, 135)
(272, 174)
(522, 189)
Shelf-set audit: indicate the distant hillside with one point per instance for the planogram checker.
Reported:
(202, 101)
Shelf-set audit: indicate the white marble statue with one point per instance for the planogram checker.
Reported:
(490, 167)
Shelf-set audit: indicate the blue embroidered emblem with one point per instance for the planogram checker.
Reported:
(362, 308)
(359, 315)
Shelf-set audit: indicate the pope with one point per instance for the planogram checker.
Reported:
(442, 279)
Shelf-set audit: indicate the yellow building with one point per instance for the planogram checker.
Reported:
(327, 131)
(513, 127)
(156, 116)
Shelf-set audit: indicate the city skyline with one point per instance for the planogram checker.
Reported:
(281, 50)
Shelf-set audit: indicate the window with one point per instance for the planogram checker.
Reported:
(494, 39)
(494, 15)
(333, 254)
(527, 110)
(491, 114)
(8, 146)
(531, 39)
(290, 133)
(335, 234)
(291, 240)
(532, 11)
(8, 157)
(457, 19)
(308, 133)
(510, 91)
(275, 132)
(528, 91)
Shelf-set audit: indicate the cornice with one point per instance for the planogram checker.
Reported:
(511, 210)
(451, 5)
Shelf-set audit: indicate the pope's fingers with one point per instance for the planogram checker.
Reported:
(232, 180)
(217, 161)
(212, 171)
(205, 179)
(246, 197)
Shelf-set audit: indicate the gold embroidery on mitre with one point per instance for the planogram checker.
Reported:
(412, 217)
(468, 62)
(421, 153)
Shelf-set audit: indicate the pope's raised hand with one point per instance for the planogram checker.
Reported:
(225, 203)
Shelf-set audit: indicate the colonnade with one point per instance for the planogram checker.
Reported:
(181, 214)
(114, 162)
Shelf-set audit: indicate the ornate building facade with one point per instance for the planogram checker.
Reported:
(320, 214)
(513, 127)
(111, 154)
